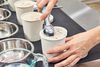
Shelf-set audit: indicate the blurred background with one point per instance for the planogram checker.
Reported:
(85, 12)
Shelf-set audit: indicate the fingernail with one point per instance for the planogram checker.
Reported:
(50, 60)
(48, 51)
(41, 18)
(56, 65)
(69, 66)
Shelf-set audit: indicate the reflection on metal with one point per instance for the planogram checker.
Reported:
(90, 1)
(7, 29)
(81, 13)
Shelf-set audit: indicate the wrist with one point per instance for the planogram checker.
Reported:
(95, 34)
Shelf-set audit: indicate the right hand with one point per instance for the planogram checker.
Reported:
(77, 47)
(42, 3)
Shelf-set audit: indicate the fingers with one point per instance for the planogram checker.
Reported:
(68, 38)
(58, 49)
(44, 15)
(67, 61)
(38, 1)
(41, 4)
(48, 9)
(74, 62)
(60, 57)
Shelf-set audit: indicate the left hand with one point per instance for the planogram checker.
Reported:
(50, 5)
(77, 47)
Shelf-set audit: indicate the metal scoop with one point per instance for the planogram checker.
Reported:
(48, 28)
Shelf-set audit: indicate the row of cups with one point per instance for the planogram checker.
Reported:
(8, 29)
(32, 27)
(12, 45)
(10, 4)
(15, 52)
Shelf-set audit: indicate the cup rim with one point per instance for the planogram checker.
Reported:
(17, 29)
(22, 17)
(16, 5)
(41, 36)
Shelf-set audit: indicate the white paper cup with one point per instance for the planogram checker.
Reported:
(48, 42)
(32, 25)
(23, 7)
(11, 4)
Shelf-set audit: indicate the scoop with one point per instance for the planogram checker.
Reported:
(48, 28)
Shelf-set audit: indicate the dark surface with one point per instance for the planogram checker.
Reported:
(61, 19)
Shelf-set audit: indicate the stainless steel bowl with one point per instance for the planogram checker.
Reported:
(12, 43)
(4, 14)
(7, 29)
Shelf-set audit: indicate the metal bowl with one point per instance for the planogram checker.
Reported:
(4, 14)
(17, 55)
(7, 29)
(12, 43)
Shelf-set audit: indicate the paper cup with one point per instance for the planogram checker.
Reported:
(11, 4)
(32, 25)
(48, 42)
(23, 7)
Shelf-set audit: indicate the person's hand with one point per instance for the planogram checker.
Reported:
(50, 5)
(76, 47)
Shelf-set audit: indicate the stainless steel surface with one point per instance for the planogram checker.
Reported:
(4, 14)
(11, 50)
(7, 29)
(94, 5)
(90, 1)
(12, 43)
(81, 13)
